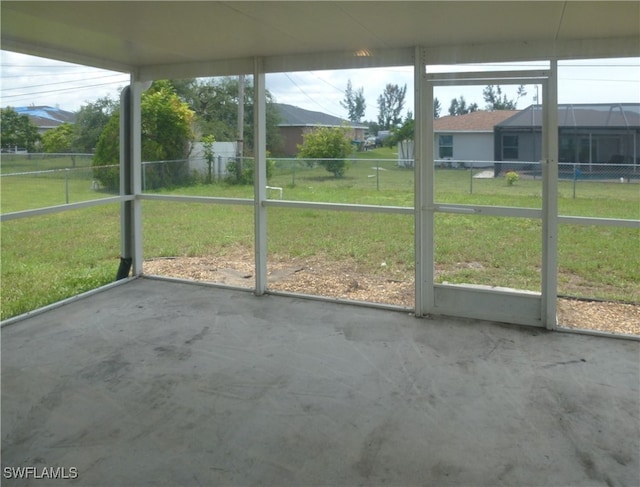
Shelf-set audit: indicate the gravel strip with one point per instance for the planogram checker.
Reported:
(343, 280)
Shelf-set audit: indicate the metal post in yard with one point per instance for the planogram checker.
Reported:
(377, 175)
(66, 184)
(471, 179)
(293, 177)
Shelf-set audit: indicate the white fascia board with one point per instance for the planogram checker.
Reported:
(375, 58)
(535, 50)
(201, 69)
(453, 132)
(48, 52)
(468, 53)
(279, 64)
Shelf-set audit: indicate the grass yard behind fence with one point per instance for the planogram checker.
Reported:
(48, 258)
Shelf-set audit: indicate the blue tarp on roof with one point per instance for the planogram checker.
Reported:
(42, 114)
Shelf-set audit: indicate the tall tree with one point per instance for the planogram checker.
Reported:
(166, 133)
(437, 108)
(17, 131)
(404, 132)
(60, 139)
(390, 105)
(496, 100)
(91, 120)
(354, 103)
(459, 107)
(215, 103)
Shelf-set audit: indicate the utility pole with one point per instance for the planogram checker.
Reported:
(240, 139)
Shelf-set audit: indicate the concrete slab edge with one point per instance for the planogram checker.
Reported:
(58, 304)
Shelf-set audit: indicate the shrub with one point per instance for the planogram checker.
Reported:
(166, 133)
(331, 145)
(236, 175)
(511, 177)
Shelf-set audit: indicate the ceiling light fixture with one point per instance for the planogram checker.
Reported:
(362, 53)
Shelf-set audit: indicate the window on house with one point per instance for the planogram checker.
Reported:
(446, 146)
(509, 147)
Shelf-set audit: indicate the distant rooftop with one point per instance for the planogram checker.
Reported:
(292, 116)
(45, 116)
(595, 115)
(480, 121)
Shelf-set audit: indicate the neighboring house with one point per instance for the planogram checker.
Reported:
(295, 122)
(458, 138)
(597, 133)
(46, 118)
(467, 137)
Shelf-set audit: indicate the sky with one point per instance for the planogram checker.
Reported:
(27, 80)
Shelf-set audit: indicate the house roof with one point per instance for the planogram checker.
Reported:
(600, 115)
(164, 39)
(292, 116)
(46, 117)
(479, 121)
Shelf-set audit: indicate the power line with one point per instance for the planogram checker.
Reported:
(76, 88)
(44, 73)
(309, 97)
(60, 83)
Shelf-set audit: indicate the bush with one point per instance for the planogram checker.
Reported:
(330, 145)
(236, 176)
(166, 133)
(511, 177)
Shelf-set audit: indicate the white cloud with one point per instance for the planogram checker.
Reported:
(29, 80)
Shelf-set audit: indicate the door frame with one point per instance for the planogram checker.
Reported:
(497, 304)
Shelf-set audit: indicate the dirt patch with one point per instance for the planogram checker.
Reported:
(343, 280)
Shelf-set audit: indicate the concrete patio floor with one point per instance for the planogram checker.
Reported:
(163, 383)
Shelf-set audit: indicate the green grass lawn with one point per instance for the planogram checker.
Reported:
(18, 163)
(48, 258)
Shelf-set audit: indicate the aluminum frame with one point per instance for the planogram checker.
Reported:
(424, 199)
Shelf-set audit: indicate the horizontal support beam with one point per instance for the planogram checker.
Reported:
(488, 210)
(590, 48)
(49, 210)
(374, 58)
(606, 222)
(402, 210)
(402, 56)
(42, 50)
(196, 199)
(198, 69)
(503, 77)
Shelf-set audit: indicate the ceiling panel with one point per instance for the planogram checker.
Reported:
(130, 35)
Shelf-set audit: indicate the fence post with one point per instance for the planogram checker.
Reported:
(66, 184)
(377, 175)
(293, 177)
(471, 179)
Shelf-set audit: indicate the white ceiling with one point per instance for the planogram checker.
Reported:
(134, 36)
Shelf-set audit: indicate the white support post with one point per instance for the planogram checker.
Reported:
(130, 178)
(550, 200)
(423, 187)
(126, 186)
(137, 88)
(260, 175)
